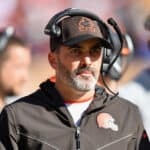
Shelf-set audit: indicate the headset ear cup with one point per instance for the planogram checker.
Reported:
(107, 55)
(56, 31)
(106, 60)
(115, 72)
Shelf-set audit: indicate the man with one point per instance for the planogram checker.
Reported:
(71, 113)
(14, 64)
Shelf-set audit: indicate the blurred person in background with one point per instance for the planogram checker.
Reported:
(71, 113)
(15, 59)
(111, 81)
(138, 90)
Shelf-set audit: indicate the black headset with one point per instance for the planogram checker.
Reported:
(5, 35)
(123, 61)
(52, 29)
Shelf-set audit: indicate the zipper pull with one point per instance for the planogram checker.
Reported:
(77, 136)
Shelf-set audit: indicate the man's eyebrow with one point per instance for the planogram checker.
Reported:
(75, 46)
(98, 44)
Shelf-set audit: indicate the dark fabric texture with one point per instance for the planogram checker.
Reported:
(41, 121)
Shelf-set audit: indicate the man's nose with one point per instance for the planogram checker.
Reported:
(86, 60)
(25, 75)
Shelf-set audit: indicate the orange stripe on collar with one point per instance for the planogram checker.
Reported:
(77, 101)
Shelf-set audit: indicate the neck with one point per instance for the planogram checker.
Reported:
(112, 84)
(69, 93)
(2, 102)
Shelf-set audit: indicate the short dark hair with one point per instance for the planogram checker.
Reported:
(14, 40)
(55, 43)
(11, 41)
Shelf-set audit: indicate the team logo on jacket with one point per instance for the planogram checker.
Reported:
(106, 121)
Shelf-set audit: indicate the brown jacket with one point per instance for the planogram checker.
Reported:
(41, 121)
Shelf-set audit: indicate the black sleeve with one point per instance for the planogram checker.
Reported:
(8, 132)
(144, 143)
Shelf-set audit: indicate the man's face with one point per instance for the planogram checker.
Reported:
(78, 66)
(14, 70)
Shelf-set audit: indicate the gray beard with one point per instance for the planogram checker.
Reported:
(80, 83)
(83, 83)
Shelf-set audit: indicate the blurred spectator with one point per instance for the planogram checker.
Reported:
(138, 91)
(14, 64)
(111, 83)
(134, 17)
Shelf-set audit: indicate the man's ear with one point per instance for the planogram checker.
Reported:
(52, 59)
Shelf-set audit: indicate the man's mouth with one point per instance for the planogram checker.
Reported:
(85, 73)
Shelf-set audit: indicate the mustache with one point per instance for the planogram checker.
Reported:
(84, 68)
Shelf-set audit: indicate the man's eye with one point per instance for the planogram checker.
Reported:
(96, 51)
(75, 51)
